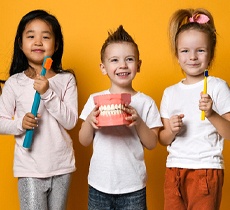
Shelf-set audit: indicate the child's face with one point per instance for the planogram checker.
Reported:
(38, 41)
(121, 64)
(193, 53)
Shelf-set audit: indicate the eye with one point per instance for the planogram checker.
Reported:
(184, 51)
(130, 59)
(113, 60)
(46, 37)
(201, 50)
(30, 36)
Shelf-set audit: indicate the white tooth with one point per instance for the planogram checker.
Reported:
(113, 109)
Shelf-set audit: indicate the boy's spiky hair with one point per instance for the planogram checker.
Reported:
(120, 35)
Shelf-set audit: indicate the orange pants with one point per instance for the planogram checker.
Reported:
(193, 189)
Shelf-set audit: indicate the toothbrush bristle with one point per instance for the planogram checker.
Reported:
(47, 64)
(206, 73)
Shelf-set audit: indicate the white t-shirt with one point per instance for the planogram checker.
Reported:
(198, 145)
(51, 152)
(117, 164)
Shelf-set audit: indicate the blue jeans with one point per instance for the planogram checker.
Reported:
(129, 201)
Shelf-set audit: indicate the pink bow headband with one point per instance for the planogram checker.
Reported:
(199, 18)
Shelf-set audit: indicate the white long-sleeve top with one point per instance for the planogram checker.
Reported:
(51, 152)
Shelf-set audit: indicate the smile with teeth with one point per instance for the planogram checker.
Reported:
(123, 74)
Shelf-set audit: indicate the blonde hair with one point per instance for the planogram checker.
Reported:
(180, 22)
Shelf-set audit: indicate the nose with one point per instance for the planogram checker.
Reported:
(193, 56)
(123, 64)
(38, 42)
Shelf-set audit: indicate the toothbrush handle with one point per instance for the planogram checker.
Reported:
(202, 115)
(30, 132)
(204, 92)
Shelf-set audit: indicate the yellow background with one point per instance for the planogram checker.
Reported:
(85, 24)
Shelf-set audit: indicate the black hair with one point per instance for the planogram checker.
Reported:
(19, 60)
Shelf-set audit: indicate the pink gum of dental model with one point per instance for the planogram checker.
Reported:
(110, 106)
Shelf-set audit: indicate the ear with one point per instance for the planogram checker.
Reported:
(103, 70)
(139, 65)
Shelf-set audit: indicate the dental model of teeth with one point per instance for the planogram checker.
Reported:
(111, 108)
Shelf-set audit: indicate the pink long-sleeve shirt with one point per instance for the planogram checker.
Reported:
(52, 151)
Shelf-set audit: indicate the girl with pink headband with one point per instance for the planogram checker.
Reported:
(194, 168)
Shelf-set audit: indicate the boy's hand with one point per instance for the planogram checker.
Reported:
(92, 117)
(205, 104)
(134, 117)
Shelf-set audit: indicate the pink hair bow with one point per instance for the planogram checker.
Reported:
(199, 18)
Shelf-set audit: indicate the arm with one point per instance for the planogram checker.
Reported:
(221, 123)
(170, 129)
(9, 124)
(147, 136)
(62, 107)
(86, 133)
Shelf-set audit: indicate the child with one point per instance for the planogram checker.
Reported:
(44, 171)
(194, 173)
(117, 174)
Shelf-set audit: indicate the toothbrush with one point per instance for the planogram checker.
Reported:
(204, 91)
(47, 62)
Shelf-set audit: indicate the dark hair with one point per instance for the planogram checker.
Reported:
(120, 35)
(180, 22)
(19, 60)
(1, 82)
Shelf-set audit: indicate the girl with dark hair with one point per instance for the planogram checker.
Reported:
(44, 171)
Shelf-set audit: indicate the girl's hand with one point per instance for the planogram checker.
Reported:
(176, 123)
(29, 121)
(41, 84)
(92, 117)
(134, 119)
(205, 104)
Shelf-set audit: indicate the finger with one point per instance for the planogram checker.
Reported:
(133, 118)
(38, 116)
